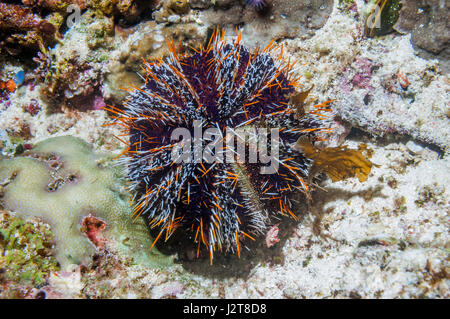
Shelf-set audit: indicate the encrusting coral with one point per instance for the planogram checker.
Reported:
(21, 27)
(36, 24)
(25, 250)
(62, 181)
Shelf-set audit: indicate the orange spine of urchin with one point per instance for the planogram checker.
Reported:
(225, 87)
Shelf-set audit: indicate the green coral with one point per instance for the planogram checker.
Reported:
(63, 181)
(25, 250)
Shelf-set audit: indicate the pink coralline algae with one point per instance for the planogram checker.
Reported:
(272, 236)
(362, 78)
(99, 103)
(33, 107)
(358, 75)
(93, 228)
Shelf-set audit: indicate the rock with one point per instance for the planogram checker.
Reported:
(279, 19)
(149, 42)
(178, 6)
(414, 147)
(427, 20)
(200, 4)
(174, 18)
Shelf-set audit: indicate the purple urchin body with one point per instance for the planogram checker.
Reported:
(257, 3)
(224, 85)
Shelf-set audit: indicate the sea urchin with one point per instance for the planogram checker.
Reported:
(223, 88)
(257, 3)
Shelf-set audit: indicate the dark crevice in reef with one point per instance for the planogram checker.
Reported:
(359, 135)
(64, 27)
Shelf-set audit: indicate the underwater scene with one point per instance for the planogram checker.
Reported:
(224, 149)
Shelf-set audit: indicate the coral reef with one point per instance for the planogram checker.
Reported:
(280, 19)
(21, 27)
(71, 75)
(63, 182)
(385, 238)
(427, 21)
(10, 145)
(171, 11)
(8, 86)
(396, 95)
(25, 250)
(37, 24)
(125, 12)
(363, 75)
(105, 59)
(148, 41)
(132, 281)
